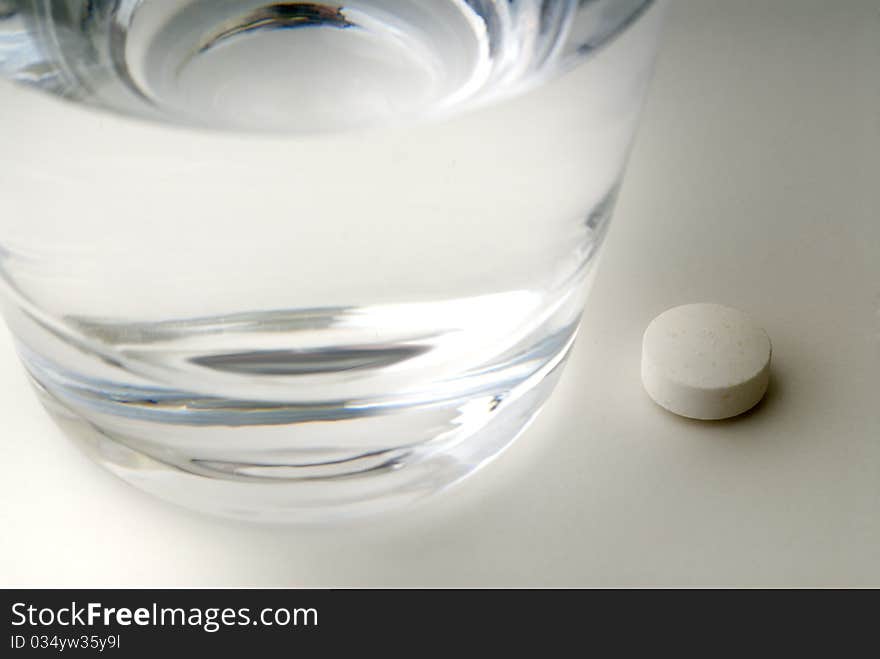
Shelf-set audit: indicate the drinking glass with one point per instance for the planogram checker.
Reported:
(303, 260)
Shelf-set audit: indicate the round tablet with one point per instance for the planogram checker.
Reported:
(705, 361)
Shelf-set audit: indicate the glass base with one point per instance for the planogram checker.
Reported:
(396, 454)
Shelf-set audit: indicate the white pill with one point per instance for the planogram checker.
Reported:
(705, 361)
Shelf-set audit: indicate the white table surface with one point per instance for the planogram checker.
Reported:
(755, 182)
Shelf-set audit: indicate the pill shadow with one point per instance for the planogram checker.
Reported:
(768, 405)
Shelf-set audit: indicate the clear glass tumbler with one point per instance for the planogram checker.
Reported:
(296, 260)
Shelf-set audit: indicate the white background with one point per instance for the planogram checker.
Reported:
(755, 182)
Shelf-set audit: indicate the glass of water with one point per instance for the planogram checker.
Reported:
(300, 260)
